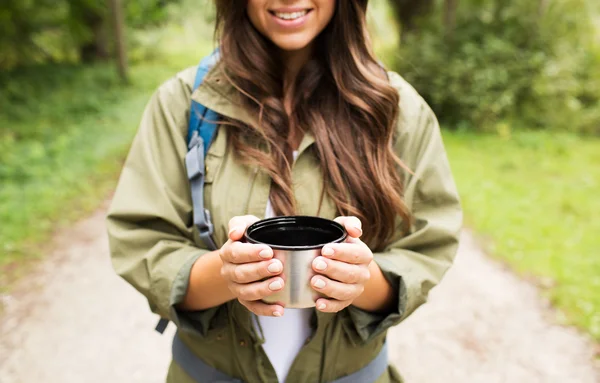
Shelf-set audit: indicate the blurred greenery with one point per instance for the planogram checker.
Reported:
(57, 159)
(534, 196)
(52, 31)
(516, 83)
(533, 62)
(65, 130)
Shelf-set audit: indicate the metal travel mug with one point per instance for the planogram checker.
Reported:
(296, 241)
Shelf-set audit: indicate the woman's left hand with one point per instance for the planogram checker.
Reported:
(342, 269)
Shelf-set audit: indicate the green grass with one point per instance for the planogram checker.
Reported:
(535, 196)
(64, 132)
(59, 162)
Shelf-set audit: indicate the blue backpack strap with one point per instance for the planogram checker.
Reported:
(202, 129)
(202, 119)
(201, 133)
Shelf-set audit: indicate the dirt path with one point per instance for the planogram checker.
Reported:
(74, 321)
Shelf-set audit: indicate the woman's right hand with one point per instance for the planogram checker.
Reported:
(250, 270)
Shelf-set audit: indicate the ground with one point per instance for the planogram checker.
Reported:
(73, 320)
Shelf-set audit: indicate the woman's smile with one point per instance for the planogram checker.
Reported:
(290, 17)
(291, 25)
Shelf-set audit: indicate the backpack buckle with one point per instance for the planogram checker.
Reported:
(207, 226)
(194, 159)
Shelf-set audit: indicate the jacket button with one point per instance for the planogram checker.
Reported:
(243, 343)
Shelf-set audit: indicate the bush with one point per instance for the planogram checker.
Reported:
(52, 95)
(507, 62)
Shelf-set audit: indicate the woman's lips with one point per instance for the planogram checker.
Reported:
(290, 18)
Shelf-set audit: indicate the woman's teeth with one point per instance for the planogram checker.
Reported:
(291, 16)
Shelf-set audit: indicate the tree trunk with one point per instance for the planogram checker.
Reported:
(542, 7)
(450, 8)
(119, 34)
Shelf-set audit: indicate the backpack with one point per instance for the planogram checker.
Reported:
(202, 130)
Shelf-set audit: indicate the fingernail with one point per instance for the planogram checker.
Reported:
(359, 230)
(320, 265)
(328, 251)
(275, 285)
(322, 306)
(319, 283)
(274, 267)
(276, 314)
(237, 228)
(266, 253)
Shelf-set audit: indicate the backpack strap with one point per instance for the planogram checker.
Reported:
(202, 120)
(202, 129)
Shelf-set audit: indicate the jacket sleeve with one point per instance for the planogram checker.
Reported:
(152, 243)
(415, 262)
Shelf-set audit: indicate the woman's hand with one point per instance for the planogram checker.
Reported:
(250, 270)
(343, 269)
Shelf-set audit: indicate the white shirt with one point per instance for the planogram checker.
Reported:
(284, 336)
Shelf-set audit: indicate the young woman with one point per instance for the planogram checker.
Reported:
(310, 124)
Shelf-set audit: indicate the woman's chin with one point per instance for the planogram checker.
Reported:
(288, 44)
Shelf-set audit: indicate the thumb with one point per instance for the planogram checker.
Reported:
(238, 226)
(352, 224)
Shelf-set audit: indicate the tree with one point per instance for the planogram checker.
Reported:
(487, 63)
(450, 16)
(119, 27)
(40, 31)
(21, 24)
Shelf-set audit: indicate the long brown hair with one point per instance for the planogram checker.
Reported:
(341, 95)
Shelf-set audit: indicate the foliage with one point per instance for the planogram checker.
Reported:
(64, 132)
(52, 95)
(380, 22)
(55, 145)
(535, 195)
(147, 13)
(508, 61)
(189, 21)
(40, 31)
(62, 167)
(30, 31)
(407, 12)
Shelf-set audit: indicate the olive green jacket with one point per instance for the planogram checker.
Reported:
(153, 242)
